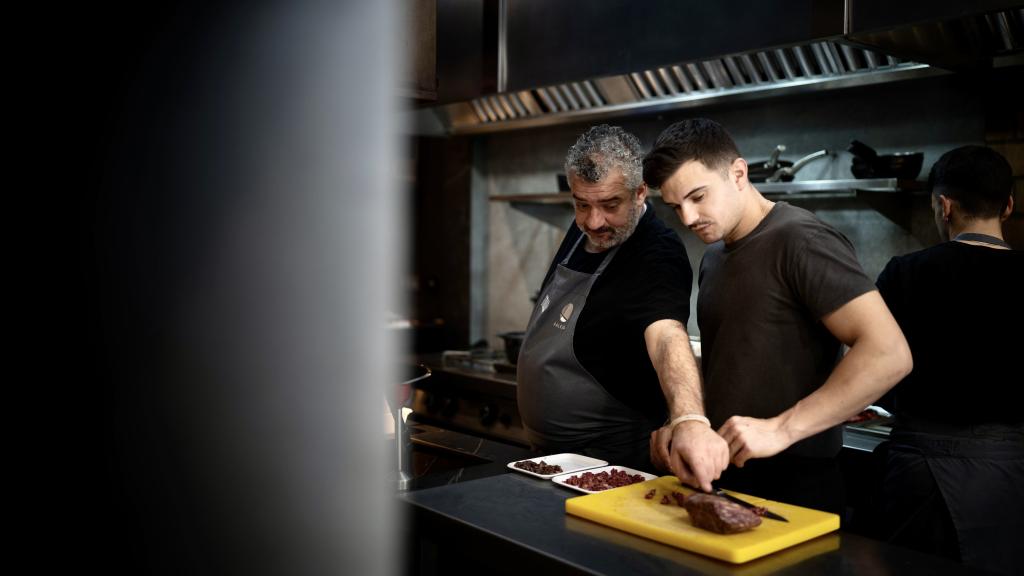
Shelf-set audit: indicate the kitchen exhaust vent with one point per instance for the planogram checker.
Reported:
(891, 51)
(537, 102)
(963, 43)
(813, 66)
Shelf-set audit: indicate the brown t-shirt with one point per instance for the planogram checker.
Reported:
(759, 308)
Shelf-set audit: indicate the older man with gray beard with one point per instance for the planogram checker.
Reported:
(606, 357)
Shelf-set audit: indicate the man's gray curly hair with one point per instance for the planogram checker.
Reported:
(602, 148)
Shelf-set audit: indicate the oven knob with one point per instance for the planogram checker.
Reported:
(488, 414)
(449, 407)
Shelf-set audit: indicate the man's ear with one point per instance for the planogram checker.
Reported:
(947, 207)
(641, 192)
(1007, 211)
(738, 173)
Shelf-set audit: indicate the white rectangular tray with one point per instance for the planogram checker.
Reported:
(568, 461)
(561, 478)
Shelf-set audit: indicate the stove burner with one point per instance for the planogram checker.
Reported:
(480, 400)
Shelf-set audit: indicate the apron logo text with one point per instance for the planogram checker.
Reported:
(563, 318)
(566, 313)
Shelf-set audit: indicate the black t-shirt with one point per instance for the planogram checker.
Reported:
(960, 308)
(648, 280)
(759, 309)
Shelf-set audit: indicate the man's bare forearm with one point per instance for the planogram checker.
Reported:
(867, 372)
(668, 345)
(878, 359)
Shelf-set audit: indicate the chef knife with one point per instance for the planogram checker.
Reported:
(765, 512)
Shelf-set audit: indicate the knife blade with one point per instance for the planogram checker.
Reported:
(766, 513)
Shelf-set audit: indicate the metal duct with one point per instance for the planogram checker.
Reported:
(812, 66)
(862, 56)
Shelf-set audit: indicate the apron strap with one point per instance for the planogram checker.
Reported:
(604, 262)
(983, 238)
(573, 249)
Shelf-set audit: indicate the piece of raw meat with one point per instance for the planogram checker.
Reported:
(719, 515)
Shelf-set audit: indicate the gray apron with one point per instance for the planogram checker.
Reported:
(563, 407)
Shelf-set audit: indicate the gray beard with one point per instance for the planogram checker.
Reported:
(621, 233)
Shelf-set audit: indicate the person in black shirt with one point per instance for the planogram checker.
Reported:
(779, 291)
(606, 351)
(954, 482)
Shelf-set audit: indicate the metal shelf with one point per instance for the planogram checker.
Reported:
(800, 189)
(852, 185)
(545, 198)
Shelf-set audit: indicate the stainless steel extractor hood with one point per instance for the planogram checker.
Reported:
(882, 49)
(949, 34)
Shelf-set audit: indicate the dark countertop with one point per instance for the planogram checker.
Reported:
(515, 524)
(482, 457)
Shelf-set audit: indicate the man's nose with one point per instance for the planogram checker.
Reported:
(688, 215)
(595, 219)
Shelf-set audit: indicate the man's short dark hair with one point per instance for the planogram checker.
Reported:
(977, 177)
(698, 139)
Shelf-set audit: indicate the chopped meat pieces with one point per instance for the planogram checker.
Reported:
(541, 467)
(719, 515)
(679, 498)
(603, 480)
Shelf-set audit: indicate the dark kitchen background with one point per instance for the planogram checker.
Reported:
(925, 78)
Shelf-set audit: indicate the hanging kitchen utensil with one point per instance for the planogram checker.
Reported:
(775, 169)
(867, 163)
(761, 170)
(786, 173)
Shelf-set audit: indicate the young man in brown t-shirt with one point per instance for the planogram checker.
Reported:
(779, 291)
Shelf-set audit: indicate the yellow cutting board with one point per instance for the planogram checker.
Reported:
(626, 509)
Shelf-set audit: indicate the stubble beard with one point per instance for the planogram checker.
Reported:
(619, 234)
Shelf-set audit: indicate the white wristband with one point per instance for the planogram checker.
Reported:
(686, 417)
